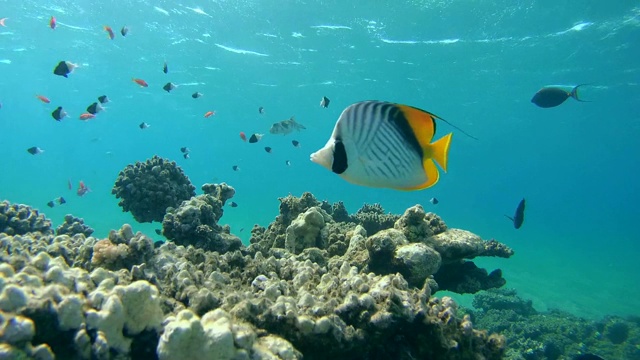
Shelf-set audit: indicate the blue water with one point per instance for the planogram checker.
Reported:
(476, 64)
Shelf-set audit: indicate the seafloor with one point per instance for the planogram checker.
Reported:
(317, 283)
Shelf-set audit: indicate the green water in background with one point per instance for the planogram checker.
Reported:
(476, 64)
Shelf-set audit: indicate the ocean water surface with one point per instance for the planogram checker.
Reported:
(476, 64)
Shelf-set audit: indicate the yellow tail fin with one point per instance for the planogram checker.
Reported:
(440, 150)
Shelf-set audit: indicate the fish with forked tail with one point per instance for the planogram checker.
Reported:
(518, 217)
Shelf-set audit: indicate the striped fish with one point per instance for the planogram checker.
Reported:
(385, 145)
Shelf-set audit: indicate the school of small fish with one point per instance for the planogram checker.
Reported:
(374, 143)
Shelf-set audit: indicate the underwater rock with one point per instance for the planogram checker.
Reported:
(304, 231)
(417, 226)
(195, 221)
(73, 225)
(373, 218)
(503, 299)
(148, 189)
(455, 245)
(122, 250)
(19, 219)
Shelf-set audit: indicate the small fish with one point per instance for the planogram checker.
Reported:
(165, 68)
(103, 99)
(82, 189)
(261, 110)
(243, 136)
(285, 127)
(551, 96)
(588, 357)
(53, 23)
(385, 145)
(196, 95)
(140, 82)
(143, 125)
(158, 231)
(2, 22)
(0, 105)
(124, 31)
(64, 68)
(295, 143)
(518, 217)
(287, 162)
(186, 155)
(61, 200)
(86, 116)
(235, 168)
(44, 99)
(109, 31)
(59, 113)
(434, 201)
(324, 102)
(241, 229)
(184, 149)
(169, 86)
(94, 108)
(69, 184)
(267, 149)
(209, 113)
(34, 150)
(255, 138)
(233, 204)
(51, 204)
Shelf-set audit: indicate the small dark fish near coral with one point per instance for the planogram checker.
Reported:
(255, 138)
(267, 149)
(59, 200)
(186, 156)
(143, 125)
(103, 99)
(325, 102)
(34, 150)
(169, 86)
(64, 68)
(434, 201)
(518, 217)
(588, 357)
(184, 150)
(285, 127)
(233, 204)
(235, 167)
(59, 113)
(295, 143)
(261, 110)
(94, 108)
(124, 31)
(196, 95)
(158, 231)
(552, 96)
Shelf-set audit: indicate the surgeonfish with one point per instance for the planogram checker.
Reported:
(324, 102)
(518, 217)
(552, 96)
(385, 145)
(64, 68)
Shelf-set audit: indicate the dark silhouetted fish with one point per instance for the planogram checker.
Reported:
(434, 201)
(61, 200)
(103, 99)
(235, 167)
(325, 102)
(588, 357)
(295, 143)
(59, 113)
(64, 68)
(233, 204)
(169, 86)
(124, 31)
(143, 125)
(184, 149)
(518, 217)
(158, 231)
(255, 138)
(267, 149)
(165, 68)
(551, 96)
(94, 108)
(34, 150)
(287, 162)
(196, 95)
(261, 110)
(186, 155)
(51, 204)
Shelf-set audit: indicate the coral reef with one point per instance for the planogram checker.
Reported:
(195, 221)
(307, 285)
(73, 225)
(18, 219)
(147, 189)
(553, 335)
